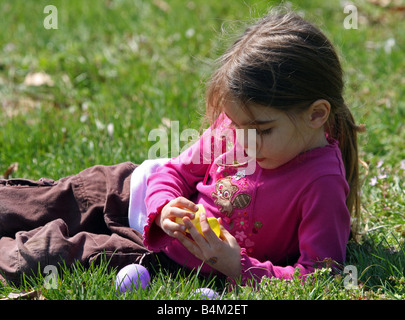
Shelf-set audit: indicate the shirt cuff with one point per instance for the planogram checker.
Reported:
(154, 238)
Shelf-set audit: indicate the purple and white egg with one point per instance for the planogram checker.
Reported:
(206, 293)
(132, 276)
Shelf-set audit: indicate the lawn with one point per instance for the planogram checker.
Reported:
(91, 91)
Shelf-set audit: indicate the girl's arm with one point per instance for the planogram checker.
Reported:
(176, 179)
(323, 234)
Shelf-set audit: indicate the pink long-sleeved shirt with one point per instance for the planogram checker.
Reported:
(284, 218)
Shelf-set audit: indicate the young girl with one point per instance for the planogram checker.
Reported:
(283, 202)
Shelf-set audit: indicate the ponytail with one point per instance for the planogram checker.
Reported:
(343, 128)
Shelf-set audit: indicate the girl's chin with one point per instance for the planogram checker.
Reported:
(263, 163)
(266, 164)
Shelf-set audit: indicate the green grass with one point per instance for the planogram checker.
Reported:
(127, 65)
(99, 283)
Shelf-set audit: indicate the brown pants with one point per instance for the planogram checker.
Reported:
(77, 218)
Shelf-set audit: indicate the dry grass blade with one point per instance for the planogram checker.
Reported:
(31, 295)
(10, 170)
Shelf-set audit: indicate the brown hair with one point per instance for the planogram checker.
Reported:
(287, 63)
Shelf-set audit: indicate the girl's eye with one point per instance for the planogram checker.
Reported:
(267, 131)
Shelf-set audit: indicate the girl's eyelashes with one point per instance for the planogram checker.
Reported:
(261, 132)
(266, 131)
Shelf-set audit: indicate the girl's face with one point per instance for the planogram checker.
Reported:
(281, 138)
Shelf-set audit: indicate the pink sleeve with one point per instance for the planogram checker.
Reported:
(323, 232)
(179, 177)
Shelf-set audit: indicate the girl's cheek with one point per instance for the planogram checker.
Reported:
(251, 142)
(247, 139)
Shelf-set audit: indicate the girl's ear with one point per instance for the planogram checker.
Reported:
(318, 113)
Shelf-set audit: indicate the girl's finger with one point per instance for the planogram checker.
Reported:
(189, 244)
(170, 227)
(180, 213)
(182, 202)
(195, 234)
(225, 234)
(206, 229)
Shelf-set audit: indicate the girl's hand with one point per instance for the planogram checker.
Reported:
(172, 210)
(222, 253)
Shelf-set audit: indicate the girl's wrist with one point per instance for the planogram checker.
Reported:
(157, 220)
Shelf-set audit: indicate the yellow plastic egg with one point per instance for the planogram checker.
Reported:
(213, 222)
